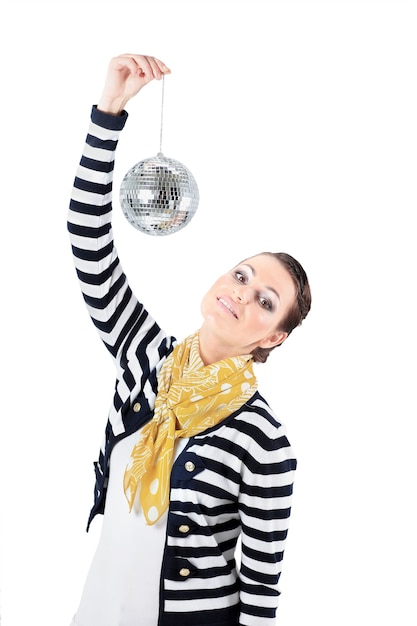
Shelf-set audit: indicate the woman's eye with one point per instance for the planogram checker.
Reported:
(240, 276)
(265, 303)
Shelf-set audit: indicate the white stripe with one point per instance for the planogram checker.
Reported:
(264, 546)
(103, 133)
(271, 430)
(99, 154)
(266, 504)
(91, 243)
(88, 197)
(93, 176)
(254, 522)
(195, 584)
(206, 604)
(270, 569)
(91, 221)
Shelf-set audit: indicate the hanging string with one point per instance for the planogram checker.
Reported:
(162, 113)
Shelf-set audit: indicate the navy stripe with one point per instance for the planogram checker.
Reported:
(269, 536)
(97, 279)
(256, 611)
(196, 594)
(92, 187)
(95, 142)
(105, 167)
(88, 231)
(258, 576)
(254, 432)
(264, 514)
(89, 209)
(266, 492)
(265, 557)
(259, 590)
(112, 122)
(93, 255)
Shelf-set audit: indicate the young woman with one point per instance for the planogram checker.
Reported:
(193, 456)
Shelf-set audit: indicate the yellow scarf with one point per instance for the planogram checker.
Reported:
(191, 398)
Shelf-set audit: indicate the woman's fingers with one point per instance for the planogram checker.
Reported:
(142, 65)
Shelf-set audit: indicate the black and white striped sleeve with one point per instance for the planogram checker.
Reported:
(109, 299)
(265, 506)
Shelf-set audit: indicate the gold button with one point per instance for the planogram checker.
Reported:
(189, 466)
(185, 572)
(136, 407)
(184, 528)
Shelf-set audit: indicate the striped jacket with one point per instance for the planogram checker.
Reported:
(234, 480)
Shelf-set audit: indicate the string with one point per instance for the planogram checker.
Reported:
(162, 112)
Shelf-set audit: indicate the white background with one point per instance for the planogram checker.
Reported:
(298, 120)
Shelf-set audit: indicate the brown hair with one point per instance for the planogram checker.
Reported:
(302, 302)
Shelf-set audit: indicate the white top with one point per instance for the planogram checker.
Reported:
(124, 577)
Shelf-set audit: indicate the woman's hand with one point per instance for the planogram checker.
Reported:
(126, 75)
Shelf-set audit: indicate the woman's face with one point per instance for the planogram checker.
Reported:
(244, 308)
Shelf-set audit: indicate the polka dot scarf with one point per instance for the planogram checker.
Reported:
(192, 397)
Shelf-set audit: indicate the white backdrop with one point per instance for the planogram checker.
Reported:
(298, 120)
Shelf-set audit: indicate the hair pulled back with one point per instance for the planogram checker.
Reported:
(301, 305)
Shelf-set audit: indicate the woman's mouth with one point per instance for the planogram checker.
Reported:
(228, 306)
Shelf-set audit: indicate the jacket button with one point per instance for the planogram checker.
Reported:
(189, 466)
(184, 528)
(136, 407)
(185, 572)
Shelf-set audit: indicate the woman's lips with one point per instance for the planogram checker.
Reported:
(228, 306)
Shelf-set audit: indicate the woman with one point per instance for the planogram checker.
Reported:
(193, 457)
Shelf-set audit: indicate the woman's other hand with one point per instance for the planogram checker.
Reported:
(126, 75)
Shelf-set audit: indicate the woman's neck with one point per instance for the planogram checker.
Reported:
(211, 349)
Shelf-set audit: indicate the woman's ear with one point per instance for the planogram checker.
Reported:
(273, 340)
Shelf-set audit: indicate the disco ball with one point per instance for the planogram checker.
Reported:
(159, 196)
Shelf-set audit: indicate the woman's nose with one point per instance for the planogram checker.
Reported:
(241, 294)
